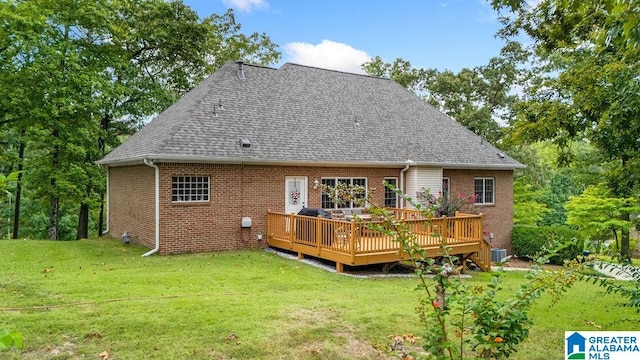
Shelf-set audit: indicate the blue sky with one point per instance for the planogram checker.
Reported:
(342, 34)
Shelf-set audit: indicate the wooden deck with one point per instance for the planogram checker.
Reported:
(353, 243)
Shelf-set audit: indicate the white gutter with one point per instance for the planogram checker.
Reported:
(157, 207)
(106, 231)
(246, 161)
(403, 202)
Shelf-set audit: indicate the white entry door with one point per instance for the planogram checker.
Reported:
(295, 194)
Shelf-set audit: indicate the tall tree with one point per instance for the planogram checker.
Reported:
(588, 85)
(93, 72)
(480, 98)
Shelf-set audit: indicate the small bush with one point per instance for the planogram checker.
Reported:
(529, 241)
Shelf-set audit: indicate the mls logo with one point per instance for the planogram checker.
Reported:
(576, 346)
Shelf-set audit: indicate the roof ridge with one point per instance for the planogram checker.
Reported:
(333, 70)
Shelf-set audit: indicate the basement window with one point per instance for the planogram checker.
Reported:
(189, 188)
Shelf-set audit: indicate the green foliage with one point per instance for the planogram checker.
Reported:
(526, 210)
(531, 241)
(445, 204)
(103, 290)
(10, 339)
(483, 324)
(78, 77)
(599, 216)
(474, 97)
(629, 290)
(344, 193)
(586, 84)
(561, 187)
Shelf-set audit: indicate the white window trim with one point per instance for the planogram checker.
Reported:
(189, 180)
(336, 179)
(385, 190)
(493, 195)
(448, 190)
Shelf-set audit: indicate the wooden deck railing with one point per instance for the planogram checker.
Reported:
(354, 243)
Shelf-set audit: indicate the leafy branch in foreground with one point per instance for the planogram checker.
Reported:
(481, 325)
(630, 290)
(10, 339)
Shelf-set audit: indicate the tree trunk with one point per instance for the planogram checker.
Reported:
(54, 199)
(625, 251)
(16, 209)
(102, 145)
(83, 222)
(101, 216)
(53, 216)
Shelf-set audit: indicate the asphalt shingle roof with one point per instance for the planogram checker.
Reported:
(304, 115)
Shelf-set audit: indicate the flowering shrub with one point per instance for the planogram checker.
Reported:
(445, 204)
(461, 320)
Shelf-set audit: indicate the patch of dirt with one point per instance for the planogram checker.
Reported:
(517, 263)
(64, 351)
(306, 338)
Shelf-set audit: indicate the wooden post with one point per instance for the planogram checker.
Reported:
(339, 267)
(292, 231)
(268, 225)
(318, 234)
(352, 241)
(445, 230)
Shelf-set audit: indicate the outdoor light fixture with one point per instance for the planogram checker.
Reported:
(316, 183)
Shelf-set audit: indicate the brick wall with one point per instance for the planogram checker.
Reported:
(238, 191)
(248, 190)
(499, 216)
(131, 203)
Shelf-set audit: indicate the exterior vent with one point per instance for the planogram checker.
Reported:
(501, 155)
(240, 70)
(245, 143)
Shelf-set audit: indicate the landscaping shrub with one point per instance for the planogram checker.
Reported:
(529, 241)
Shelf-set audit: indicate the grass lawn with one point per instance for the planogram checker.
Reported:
(77, 299)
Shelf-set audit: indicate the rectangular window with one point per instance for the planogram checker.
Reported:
(484, 190)
(446, 188)
(326, 201)
(390, 196)
(189, 188)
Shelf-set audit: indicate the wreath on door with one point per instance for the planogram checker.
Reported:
(295, 196)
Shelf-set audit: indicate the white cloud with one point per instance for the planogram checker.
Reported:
(327, 55)
(246, 5)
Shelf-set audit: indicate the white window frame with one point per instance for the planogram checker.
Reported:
(388, 191)
(348, 205)
(482, 194)
(190, 189)
(446, 191)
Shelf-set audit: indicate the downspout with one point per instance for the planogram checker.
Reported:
(106, 230)
(157, 207)
(402, 200)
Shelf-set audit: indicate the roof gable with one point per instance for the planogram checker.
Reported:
(304, 115)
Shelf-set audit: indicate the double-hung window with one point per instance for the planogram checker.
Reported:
(484, 189)
(390, 196)
(189, 188)
(354, 200)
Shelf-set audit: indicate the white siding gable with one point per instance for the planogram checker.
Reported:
(419, 177)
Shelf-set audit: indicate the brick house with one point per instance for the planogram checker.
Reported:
(252, 138)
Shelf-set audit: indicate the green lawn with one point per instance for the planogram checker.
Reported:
(77, 299)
